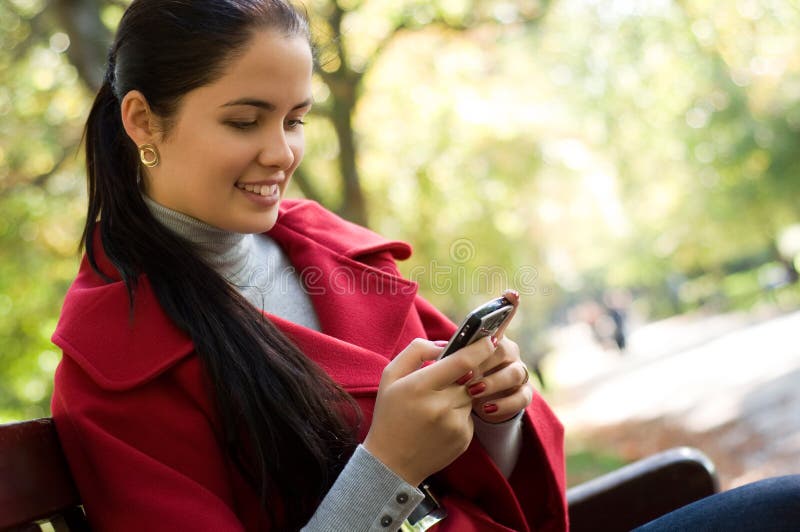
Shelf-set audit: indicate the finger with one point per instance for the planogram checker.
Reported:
(506, 353)
(513, 297)
(468, 376)
(504, 381)
(491, 364)
(499, 409)
(448, 370)
(456, 398)
(410, 359)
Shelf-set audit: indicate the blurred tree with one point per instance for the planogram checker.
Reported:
(90, 37)
(745, 131)
(354, 34)
(42, 105)
(681, 124)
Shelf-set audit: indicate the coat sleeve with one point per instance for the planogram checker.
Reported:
(542, 457)
(144, 458)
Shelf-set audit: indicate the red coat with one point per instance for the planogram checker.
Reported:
(138, 426)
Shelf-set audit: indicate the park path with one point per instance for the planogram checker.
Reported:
(727, 384)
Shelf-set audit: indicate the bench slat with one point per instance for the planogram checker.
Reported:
(35, 481)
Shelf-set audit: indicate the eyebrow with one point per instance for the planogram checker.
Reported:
(262, 104)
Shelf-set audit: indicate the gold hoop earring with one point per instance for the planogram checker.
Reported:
(148, 154)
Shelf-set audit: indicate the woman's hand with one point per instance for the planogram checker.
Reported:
(421, 421)
(500, 388)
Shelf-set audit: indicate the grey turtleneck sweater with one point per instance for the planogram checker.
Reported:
(254, 264)
(366, 492)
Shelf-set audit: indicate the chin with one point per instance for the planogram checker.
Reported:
(260, 225)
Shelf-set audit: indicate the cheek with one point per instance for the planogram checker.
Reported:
(221, 157)
(232, 159)
(206, 146)
(298, 149)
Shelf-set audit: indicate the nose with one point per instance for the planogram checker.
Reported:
(277, 150)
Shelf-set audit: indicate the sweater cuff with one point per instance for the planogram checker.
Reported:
(367, 496)
(502, 441)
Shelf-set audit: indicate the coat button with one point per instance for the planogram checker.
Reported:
(386, 521)
(402, 498)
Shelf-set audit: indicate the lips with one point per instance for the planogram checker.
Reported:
(262, 190)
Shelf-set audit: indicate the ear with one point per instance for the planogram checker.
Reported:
(137, 119)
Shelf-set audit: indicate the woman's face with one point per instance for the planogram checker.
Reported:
(233, 145)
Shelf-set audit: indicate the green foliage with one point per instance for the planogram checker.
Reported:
(42, 103)
(585, 464)
(37, 263)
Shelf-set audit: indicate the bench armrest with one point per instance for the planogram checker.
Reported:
(642, 491)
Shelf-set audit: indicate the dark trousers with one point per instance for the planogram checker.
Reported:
(770, 505)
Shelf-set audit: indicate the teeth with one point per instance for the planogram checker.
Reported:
(262, 190)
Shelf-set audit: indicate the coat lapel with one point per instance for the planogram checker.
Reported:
(119, 349)
(356, 292)
(358, 370)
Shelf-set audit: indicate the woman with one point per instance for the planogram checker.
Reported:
(225, 351)
(234, 361)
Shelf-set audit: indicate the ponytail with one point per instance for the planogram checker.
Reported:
(108, 153)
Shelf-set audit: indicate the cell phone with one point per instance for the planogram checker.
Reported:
(483, 321)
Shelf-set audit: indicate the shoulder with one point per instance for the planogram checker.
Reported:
(312, 220)
(117, 345)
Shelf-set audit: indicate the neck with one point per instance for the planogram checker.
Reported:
(256, 266)
(225, 251)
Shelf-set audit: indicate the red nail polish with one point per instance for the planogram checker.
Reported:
(440, 343)
(466, 377)
(494, 341)
(490, 408)
(476, 388)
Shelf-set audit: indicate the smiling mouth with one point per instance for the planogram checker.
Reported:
(262, 190)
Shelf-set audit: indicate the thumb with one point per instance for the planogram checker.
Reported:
(513, 297)
(410, 359)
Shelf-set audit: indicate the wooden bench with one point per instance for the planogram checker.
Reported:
(36, 486)
(35, 481)
(639, 492)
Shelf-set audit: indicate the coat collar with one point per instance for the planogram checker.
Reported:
(331, 231)
(361, 302)
(352, 283)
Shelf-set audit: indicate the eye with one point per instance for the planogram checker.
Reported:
(241, 124)
(294, 123)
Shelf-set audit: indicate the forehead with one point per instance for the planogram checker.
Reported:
(271, 66)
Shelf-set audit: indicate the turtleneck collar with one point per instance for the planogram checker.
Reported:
(225, 251)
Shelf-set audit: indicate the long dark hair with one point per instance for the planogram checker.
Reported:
(285, 424)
